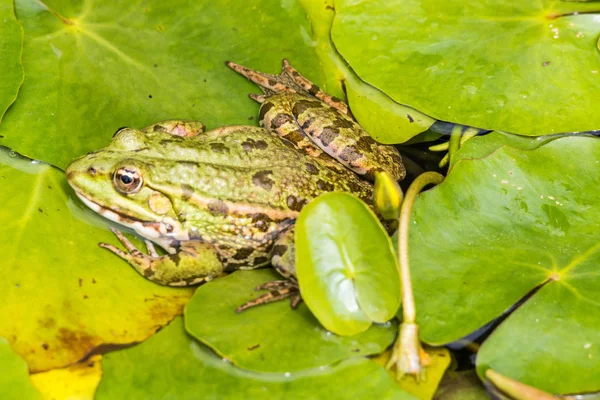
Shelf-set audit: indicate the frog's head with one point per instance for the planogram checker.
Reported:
(114, 182)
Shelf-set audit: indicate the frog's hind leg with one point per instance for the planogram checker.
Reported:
(284, 263)
(290, 81)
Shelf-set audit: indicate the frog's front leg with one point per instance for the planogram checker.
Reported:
(283, 260)
(194, 262)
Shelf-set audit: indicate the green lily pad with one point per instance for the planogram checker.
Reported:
(14, 379)
(92, 67)
(496, 230)
(385, 120)
(11, 44)
(63, 295)
(528, 67)
(345, 264)
(172, 365)
(273, 337)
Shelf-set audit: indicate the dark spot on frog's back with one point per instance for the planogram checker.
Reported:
(311, 169)
(262, 180)
(303, 105)
(326, 186)
(264, 109)
(251, 144)
(218, 207)
(295, 203)
(219, 148)
(186, 191)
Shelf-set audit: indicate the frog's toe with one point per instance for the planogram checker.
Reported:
(277, 291)
(269, 83)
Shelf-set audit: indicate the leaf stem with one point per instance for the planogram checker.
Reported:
(407, 354)
(408, 302)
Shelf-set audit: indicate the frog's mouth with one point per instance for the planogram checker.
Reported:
(153, 230)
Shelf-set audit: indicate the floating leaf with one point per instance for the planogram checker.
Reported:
(172, 365)
(385, 120)
(11, 44)
(496, 230)
(77, 381)
(273, 337)
(526, 67)
(92, 67)
(63, 295)
(345, 264)
(14, 380)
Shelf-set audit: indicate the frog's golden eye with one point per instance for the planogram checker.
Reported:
(127, 180)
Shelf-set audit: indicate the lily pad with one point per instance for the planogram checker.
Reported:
(11, 44)
(345, 263)
(14, 379)
(173, 365)
(92, 67)
(63, 295)
(75, 382)
(496, 230)
(273, 337)
(528, 67)
(385, 120)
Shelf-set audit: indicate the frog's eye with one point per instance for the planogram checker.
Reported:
(127, 180)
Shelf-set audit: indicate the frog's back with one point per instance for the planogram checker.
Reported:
(242, 164)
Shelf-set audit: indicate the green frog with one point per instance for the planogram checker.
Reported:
(226, 199)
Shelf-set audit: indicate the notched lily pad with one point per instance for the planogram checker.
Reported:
(345, 264)
(273, 337)
(173, 365)
(498, 228)
(528, 67)
(63, 294)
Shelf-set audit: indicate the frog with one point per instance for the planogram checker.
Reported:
(226, 199)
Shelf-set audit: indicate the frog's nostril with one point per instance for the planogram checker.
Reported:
(92, 170)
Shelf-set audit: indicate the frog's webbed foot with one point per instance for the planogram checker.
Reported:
(192, 264)
(277, 291)
(289, 80)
